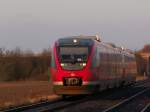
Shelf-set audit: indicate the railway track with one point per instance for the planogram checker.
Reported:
(135, 103)
(61, 104)
(32, 106)
(146, 108)
(49, 105)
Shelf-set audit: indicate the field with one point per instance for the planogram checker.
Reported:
(27, 92)
(19, 93)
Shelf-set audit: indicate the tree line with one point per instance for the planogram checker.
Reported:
(142, 63)
(24, 65)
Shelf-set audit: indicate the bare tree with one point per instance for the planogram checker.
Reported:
(28, 53)
(46, 52)
(146, 48)
(2, 52)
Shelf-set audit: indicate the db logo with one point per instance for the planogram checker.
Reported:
(72, 74)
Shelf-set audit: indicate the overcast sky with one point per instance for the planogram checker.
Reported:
(36, 24)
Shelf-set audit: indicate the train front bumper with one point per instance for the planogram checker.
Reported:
(75, 90)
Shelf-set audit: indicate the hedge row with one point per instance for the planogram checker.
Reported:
(24, 68)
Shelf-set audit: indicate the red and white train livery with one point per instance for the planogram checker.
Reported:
(84, 65)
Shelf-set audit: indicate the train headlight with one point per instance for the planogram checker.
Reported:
(74, 40)
(62, 64)
(84, 64)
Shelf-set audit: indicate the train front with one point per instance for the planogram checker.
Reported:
(71, 66)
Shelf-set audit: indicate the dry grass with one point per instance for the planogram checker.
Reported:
(20, 93)
(140, 77)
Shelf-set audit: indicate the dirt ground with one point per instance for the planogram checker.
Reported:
(19, 93)
(27, 92)
(139, 78)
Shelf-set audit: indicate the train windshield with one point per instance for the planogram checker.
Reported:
(73, 57)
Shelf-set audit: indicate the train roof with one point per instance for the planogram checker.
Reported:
(89, 40)
(76, 40)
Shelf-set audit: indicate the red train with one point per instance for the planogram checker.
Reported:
(84, 65)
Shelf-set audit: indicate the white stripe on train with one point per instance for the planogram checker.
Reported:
(84, 83)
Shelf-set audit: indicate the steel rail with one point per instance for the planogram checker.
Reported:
(110, 109)
(47, 106)
(61, 105)
(30, 106)
(145, 109)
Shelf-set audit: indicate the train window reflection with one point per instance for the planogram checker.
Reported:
(73, 58)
